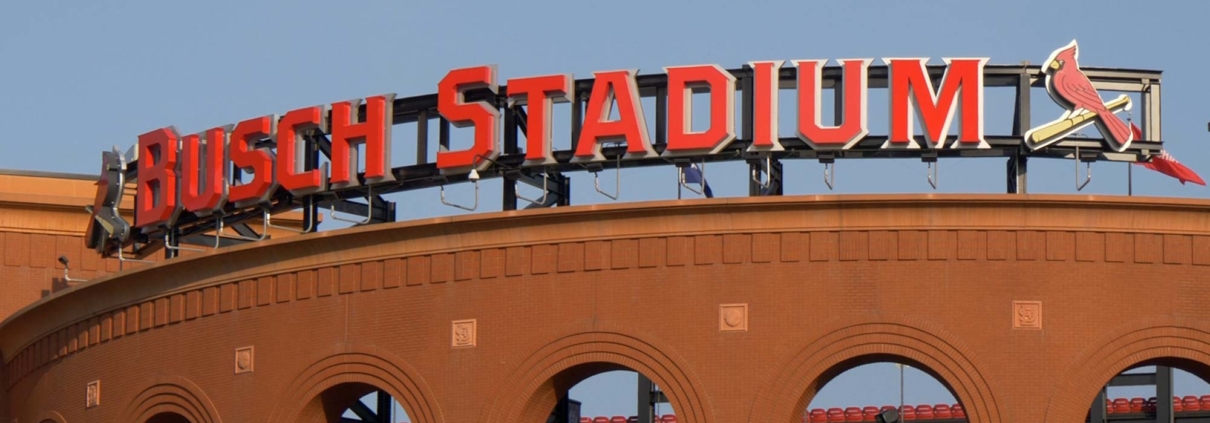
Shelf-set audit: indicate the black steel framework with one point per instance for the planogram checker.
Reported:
(765, 166)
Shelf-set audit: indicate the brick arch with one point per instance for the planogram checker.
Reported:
(796, 380)
(350, 369)
(50, 417)
(573, 357)
(1177, 342)
(172, 394)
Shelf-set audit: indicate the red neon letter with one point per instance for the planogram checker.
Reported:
(290, 157)
(631, 126)
(484, 116)
(810, 129)
(963, 80)
(203, 182)
(374, 133)
(248, 159)
(539, 93)
(766, 82)
(682, 80)
(157, 178)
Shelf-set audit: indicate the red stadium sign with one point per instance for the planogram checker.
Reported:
(194, 164)
(187, 182)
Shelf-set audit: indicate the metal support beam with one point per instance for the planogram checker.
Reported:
(556, 185)
(379, 211)
(422, 137)
(661, 113)
(364, 413)
(1163, 395)
(1017, 174)
(1134, 379)
(747, 85)
(511, 146)
(1097, 413)
(244, 230)
(171, 238)
(566, 410)
(1017, 163)
(577, 118)
(384, 407)
(646, 408)
(770, 174)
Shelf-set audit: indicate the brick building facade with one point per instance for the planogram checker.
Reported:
(739, 309)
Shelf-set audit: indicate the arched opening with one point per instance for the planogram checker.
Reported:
(867, 388)
(600, 393)
(354, 403)
(168, 417)
(1166, 389)
(618, 396)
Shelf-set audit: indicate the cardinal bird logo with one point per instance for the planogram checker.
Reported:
(1070, 88)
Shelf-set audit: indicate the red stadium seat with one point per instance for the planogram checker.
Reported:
(601, 419)
(632, 419)
(959, 412)
(1136, 404)
(835, 415)
(869, 413)
(1121, 405)
(819, 415)
(1191, 403)
(1177, 406)
(617, 419)
(852, 414)
(942, 411)
(585, 420)
(924, 412)
(668, 418)
(1149, 406)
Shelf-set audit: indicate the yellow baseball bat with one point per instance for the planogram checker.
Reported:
(1051, 130)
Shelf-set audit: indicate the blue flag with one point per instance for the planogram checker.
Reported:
(693, 175)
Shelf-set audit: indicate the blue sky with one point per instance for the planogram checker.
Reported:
(79, 77)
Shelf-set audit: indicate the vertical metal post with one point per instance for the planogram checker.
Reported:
(169, 252)
(1018, 181)
(1163, 394)
(422, 137)
(1097, 413)
(838, 102)
(901, 369)
(310, 206)
(645, 411)
(577, 117)
(384, 407)
(661, 117)
(443, 134)
(511, 146)
(1018, 163)
(1151, 112)
(747, 84)
(1129, 179)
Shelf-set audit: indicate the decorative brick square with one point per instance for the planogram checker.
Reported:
(1027, 315)
(244, 360)
(733, 318)
(464, 334)
(93, 395)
